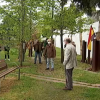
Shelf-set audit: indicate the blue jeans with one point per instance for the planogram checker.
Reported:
(48, 62)
(39, 56)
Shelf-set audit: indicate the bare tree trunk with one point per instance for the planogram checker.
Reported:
(55, 41)
(71, 37)
(52, 17)
(20, 53)
(98, 33)
(61, 33)
(80, 35)
(62, 52)
(30, 25)
(22, 31)
(99, 27)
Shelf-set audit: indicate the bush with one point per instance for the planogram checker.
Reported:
(14, 51)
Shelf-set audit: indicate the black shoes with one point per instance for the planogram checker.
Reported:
(67, 89)
(39, 63)
(47, 69)
(52, 69)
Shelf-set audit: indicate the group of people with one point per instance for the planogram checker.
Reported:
(46, 48)
(49, 52)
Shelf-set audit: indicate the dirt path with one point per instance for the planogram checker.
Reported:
(57, 80)
(50, 79)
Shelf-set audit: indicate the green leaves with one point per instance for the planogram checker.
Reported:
(72, 20)
(12, 18)
(44, 16)
(87, 5)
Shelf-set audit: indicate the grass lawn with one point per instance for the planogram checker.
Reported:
(31, 89)
(80, 73)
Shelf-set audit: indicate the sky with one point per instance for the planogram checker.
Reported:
(2, 2)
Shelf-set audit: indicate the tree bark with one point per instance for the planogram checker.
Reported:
(99, 27)
(55, 41)
(21, 54)
(80, 43)
(71, 37)
(62, 51)
(98, 33)
(30, 25)
(61, 32)
(52, 17)
(22, 31)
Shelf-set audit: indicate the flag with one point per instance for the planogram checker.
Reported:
(91, 33)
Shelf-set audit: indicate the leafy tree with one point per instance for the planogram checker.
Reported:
(87, 5)
(19, 15)
(62, 3)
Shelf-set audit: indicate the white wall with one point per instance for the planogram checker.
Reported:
(76, 38)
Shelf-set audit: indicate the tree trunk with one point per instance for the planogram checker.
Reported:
(22, 31)
(21, 54)
(61, 39)
(98, 33)
(55, 41)
(71, 37)
(52, 17)
(99, 27)
(80, 43)
(30, 25)
(61, 32)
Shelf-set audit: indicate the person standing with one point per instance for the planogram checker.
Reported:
(44, 46)
(30, 47)
(45, 42)
(7, 49)
(50, 53)
(73, 43)
(38, 50)
(69, 62)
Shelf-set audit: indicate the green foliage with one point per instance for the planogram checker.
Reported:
(38, 15)
(13, 24)
(14, 52)
(88, 6)
(73, 20)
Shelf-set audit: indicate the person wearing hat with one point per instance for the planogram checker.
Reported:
(50, 53)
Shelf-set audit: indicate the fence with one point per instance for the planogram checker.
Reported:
(84, 52)
(95, 55)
